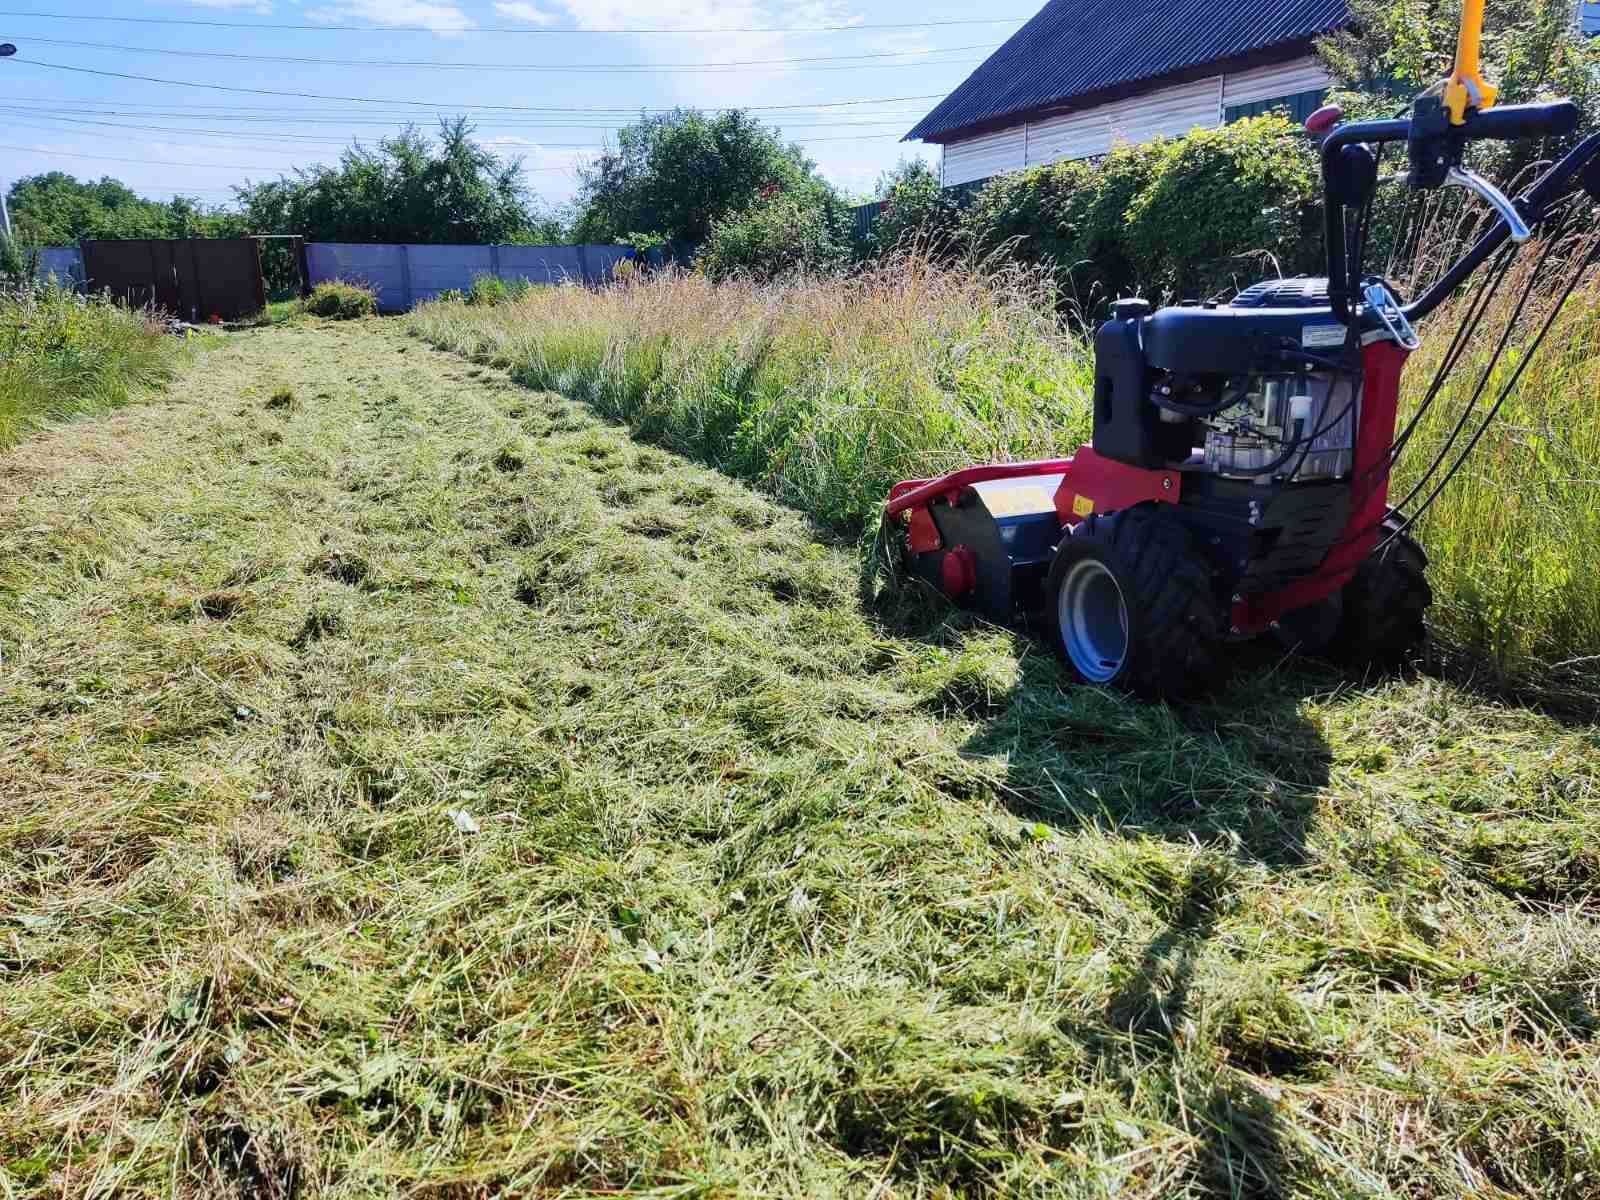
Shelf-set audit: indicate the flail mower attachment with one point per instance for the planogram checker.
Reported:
(1238, 478)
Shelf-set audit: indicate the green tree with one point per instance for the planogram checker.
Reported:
(55, 209)
(677, 174)
(408, 188)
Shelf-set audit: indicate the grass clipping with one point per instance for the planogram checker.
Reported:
(826, 391)
(423, 788)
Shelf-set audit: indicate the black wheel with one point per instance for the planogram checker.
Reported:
(1130, 603)
(1381, 626)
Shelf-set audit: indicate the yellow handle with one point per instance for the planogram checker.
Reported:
(1465, 87)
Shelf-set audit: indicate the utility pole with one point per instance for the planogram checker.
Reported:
(6, 51)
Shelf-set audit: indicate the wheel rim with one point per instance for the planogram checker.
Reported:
(1094, 620)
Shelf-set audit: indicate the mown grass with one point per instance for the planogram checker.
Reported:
(420, 787)
(62, 355)
(826, 391)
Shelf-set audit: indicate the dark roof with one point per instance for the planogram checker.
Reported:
(1076, 48)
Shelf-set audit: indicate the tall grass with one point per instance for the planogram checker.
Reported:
(62, 355)
(825, 391)
(1514, 537)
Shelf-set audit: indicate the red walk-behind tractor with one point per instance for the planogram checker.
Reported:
(1238, 478)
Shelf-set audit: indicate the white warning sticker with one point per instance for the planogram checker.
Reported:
(1321, 336)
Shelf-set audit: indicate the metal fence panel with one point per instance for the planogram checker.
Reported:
(406, 275)
(198, 279)
(64, 263)
(380, 267)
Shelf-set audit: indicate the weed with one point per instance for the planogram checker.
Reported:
(342, 300)
(62, 355)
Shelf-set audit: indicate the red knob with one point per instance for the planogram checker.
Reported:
(1324, 119)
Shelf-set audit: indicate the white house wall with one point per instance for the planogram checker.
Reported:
(1268, 83)
(1169, 112)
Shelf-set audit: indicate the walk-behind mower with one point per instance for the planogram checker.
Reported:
(1238, 479)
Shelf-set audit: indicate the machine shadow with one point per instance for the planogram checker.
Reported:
(1238, 770)
(1243, 1151)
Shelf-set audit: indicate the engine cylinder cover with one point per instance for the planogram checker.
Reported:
(1298, 426)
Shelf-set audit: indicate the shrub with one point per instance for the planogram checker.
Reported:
(915, 208)
(18, 264)
(342, 300)
(1173, 216)
(780, 233)
(492, 290)
(1222, 195)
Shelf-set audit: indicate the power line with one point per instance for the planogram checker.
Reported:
(229, 139)
(231, 112)
(54, 112)
(50, 152)
(585, 68)
(524, 29)
(222, 87)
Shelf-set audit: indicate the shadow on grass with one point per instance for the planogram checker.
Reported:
(1238, 770)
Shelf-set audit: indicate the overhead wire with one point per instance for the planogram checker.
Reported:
(854, 61)
(223, 87)
(438, 28)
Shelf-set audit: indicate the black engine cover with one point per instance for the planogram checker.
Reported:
(1238, 338)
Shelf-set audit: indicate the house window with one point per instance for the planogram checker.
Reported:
(1298, 106)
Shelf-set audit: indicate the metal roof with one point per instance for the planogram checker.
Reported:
(1078, 47)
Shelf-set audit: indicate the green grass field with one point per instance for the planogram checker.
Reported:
(410, 784)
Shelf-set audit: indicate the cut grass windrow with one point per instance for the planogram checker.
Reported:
(419, 787)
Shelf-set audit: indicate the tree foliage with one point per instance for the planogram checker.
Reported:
(408, 188)
(676, 175)
(56, 209)
(1393, 49)
(1170, 218)
(914, 205)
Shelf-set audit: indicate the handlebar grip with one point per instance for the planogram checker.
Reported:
(1523, 121)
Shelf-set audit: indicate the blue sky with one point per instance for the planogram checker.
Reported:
(162, 138)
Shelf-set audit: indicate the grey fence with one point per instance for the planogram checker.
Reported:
(65, 263)
(405, 275)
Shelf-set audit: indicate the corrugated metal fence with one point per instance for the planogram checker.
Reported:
(405, 275)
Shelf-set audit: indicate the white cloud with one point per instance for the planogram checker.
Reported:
(530, 14)
(445, 18)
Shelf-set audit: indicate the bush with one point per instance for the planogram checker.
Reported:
(1222, 195)
(18, 264)
(779, 234)
(342, 300)
(62, 354)
(492, 290)
(1177, 216)
(914, 208)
